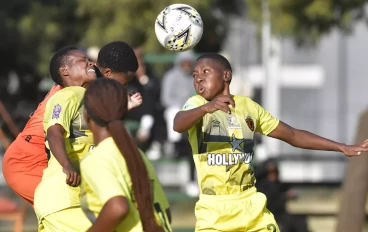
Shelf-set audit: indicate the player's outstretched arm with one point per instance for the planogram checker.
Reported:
(184, 120)
(113, 212)
(56, 142)
(307, 140)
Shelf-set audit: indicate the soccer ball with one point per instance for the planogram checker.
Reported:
(179, 27)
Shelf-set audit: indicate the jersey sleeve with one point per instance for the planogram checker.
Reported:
(99, 175)
(61, 109)
(192, 103)
(266, 123)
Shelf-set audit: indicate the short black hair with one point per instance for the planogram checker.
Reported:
(118, 56)
(218, 58)
(59, 59)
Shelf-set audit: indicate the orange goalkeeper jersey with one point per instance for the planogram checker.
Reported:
(33, 131)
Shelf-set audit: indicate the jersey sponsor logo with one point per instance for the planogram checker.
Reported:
(56, 111)
(236, 144)
(233, 123)
(250, 123)
(237, 156)
(229, 159)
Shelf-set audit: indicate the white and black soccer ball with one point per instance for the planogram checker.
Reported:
(179, 27)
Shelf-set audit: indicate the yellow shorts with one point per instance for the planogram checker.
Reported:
(241, 212)
(67, 220)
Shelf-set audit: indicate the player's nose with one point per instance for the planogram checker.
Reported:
(198, 79)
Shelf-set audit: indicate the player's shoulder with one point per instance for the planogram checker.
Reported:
(76, 91)
(55, 87)
(195, 101)
(242, 98)
(103, 153)
(68, 93)
(244, 101)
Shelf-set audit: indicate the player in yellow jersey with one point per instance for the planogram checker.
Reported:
(67, 140)
(221, 133)
(120, 190)
(57, 198)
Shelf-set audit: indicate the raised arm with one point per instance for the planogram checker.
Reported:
(308, 140)
(186, 119)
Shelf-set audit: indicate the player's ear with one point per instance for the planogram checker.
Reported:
(227, 75)
(63, 70)
(106, 72)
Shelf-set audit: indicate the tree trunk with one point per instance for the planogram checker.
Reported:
(351, 216)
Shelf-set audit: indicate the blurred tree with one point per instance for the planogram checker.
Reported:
(31, 30)
(47, 26)
(134, 21)
(10, 12)
(307, 20)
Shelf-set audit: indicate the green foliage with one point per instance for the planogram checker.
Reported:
(32, 30)
(307, 20)
(133, 21)
(35, 29)
(45, 28)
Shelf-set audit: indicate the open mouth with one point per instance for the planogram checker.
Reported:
(201, 89)
(91, 70)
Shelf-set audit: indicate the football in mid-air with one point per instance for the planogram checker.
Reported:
(179, 27)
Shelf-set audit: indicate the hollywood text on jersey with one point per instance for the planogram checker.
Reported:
(237, 156)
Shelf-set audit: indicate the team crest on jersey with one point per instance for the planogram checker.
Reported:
(56, 112)
(250, 123)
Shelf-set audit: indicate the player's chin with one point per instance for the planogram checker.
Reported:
(207, 96)
(203, 94)
(92, 76)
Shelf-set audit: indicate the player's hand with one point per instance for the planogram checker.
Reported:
(220, 103)
(134, 100)
(355, 150)
(72, 176)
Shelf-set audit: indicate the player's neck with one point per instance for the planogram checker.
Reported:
(100, 136)
(70, 83)
(226, 91)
